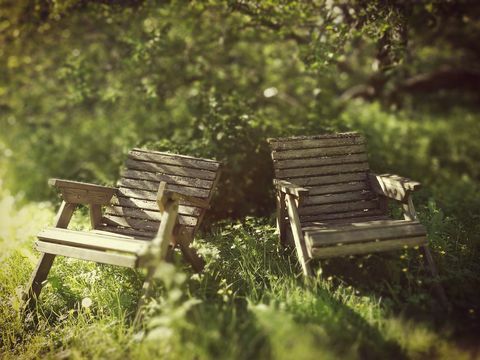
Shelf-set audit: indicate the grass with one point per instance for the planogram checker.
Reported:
(250, 302)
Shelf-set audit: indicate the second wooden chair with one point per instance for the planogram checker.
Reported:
(331, 205)
(159, 201)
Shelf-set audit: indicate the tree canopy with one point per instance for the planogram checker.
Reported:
(84, 81)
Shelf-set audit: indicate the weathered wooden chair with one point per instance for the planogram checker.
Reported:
(160, 200)
(335, 206)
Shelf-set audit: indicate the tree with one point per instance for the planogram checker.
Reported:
(87, 80)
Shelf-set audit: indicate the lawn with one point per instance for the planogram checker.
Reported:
(250, 302)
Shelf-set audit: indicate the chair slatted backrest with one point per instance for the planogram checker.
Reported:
(134, 210)
(334, 168)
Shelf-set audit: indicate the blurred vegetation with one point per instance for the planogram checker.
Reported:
(82, 82)
(248, 303)
(86, 81)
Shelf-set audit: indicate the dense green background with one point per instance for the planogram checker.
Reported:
(82, 82)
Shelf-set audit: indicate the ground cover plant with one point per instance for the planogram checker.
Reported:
(86, 81)
(249, 302)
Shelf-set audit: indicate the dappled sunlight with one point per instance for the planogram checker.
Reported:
(211, 120)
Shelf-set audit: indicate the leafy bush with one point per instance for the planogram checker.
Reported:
(226, 129)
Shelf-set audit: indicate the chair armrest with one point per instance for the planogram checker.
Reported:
(75, 192)
(289, 188)
(393, 186)
(164, 195)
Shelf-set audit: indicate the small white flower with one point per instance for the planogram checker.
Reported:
(270, 92)
(87, 302)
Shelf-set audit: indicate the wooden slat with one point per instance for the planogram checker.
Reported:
(302, 252)
(367, 248)
(87, 254)
(147, 215)
(91, 240)
(95, 215)
(308, 143)
(354, 226)
(80, 196)
(324, 223)
(169, 179)
(332, 135)
(327, 151)
(138, 234)
(281, 217)
(337, 208)
(101, 231)
(151, 196)
(344, 215)
(352, 234)
(63, 183)
(137, 224)
(152, 205)
(321, 170)
(320, 161)
(137, 194)
(153, 186)
(174, 159)
(335, 135)
(338, 198)
(169, 169)
(337, 188)
(331, 179)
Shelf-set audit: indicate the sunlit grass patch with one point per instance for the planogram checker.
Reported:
(250, 302)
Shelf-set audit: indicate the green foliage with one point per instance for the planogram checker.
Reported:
(86, 81)
(136, 72)
(250, 302)
(227, 130)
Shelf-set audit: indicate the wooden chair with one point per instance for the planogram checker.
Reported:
(335, 206)
(160, 199)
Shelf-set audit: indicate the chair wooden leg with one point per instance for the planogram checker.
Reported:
(39, 275)
(37, 279)
(437, 286)
(145, 294)
(281, 215)
(192, 257)
(189, 254)
(302, 252)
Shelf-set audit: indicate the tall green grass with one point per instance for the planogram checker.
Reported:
(250, 302)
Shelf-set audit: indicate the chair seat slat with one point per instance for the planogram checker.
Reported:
(326, 238)
(367, 248)
(91, 240)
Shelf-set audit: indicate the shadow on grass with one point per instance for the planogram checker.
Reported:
(274, 309)
(406, 289)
